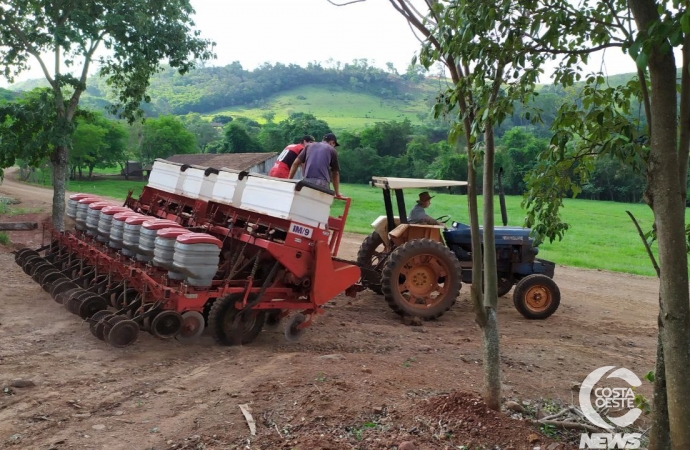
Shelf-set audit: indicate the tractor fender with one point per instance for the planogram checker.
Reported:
(540, 266)
(380, 225)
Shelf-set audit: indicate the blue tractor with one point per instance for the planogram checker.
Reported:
(419, 269)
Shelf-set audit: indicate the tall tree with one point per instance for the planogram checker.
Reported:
(299, 124)
(88, 144)
(388, 138)
(647, 30)
(163, 137)
(479, 42)
(137, 36)
(427, 25)
(97, 142)
(238, 140)
(203, 130)
(27, 129)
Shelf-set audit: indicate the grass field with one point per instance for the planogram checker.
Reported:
(342, 109)
(601, 235)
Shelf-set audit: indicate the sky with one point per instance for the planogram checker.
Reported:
(301, 31)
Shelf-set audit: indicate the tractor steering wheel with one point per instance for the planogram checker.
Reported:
(443, 219)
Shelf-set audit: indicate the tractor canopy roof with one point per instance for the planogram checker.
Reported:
(410, 183)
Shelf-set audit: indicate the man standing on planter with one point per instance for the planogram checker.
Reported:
(321, 165)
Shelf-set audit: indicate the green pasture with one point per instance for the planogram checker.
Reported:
(602, 236)
(341, 109)
(108, 188)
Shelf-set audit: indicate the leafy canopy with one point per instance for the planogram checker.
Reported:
(136, 36)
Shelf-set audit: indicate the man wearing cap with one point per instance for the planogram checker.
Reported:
(282, 166)
(417, 215)
(321, 165)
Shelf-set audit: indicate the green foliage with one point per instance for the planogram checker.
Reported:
(299, 124)
(7, 96)
(30, 129)
(595, 138)
(388, 138)
(272, 137)
(163, 137)
(548, 430)
(97, 142)
(360, 164)
(221, 118)
(518, 155)
(202, 129)
(238, 140)
(4, 238)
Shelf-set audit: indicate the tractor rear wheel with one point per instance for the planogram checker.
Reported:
(421, 278)
(229, 331)
(505, 284)
(536, 296)
(370, 256)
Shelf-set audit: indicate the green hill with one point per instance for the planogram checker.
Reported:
(7, 95)
(341, 108)
(351, 96)
(364, 93)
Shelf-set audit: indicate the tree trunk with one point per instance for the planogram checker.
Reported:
(492, 361)
(90, 172)
(659, 438)
(60, 165)
(666, 195)
(475, 288)
(669, 213)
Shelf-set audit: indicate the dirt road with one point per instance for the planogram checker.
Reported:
(359, 378)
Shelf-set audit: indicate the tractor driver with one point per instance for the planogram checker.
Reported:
(418, 215)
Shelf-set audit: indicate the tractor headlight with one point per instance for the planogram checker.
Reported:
(455, 224)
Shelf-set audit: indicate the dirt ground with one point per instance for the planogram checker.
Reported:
(358, 378)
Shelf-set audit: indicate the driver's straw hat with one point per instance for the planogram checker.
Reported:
(424, 196)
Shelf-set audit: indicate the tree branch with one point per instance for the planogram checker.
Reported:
(74, 101)
(646, 245)
(617, 19)
(32, 51)
(645, 98)
(414, 33)
(567, 425)
(583, 51)
(346, 3)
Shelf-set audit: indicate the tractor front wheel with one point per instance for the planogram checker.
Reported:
(536, 297)
(421, 278)
(369, 257)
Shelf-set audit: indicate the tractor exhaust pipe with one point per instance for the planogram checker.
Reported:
(502, 198)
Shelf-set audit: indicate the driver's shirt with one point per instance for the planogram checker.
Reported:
(417, 214)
